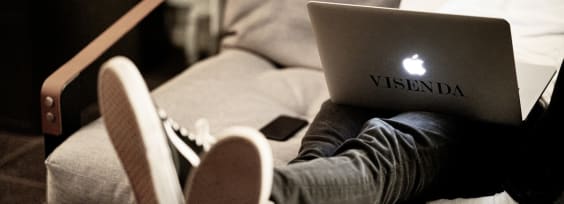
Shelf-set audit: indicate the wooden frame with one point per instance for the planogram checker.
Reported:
(59, 121)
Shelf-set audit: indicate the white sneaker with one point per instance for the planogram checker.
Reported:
(137, 133)
(236, 169)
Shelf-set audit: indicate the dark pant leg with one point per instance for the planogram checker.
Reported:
(332, 125)
(391, 160)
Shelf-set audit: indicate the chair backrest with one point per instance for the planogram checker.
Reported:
(279, 30)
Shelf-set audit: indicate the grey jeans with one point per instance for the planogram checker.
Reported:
(352, 155)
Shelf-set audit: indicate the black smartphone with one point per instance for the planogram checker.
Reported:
(283, 127)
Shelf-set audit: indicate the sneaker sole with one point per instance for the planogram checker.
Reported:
(132, 123)
(236, 170)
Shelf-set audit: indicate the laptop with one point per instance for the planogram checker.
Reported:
(392, 59)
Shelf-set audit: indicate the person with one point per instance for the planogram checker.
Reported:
(348, 155)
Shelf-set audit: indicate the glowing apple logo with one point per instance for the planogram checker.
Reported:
(413, 65)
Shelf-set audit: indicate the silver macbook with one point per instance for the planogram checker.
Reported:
(401, 60)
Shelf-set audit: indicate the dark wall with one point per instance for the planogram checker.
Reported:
(15, 65)
(43, 35)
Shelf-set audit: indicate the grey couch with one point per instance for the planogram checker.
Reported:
(268, 66)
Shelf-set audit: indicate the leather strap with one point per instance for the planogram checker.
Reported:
(53, 86)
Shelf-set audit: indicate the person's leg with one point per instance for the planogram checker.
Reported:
(391, 160)
(538, 175)
(332, 125)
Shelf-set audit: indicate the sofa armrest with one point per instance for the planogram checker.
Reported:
(53, 115)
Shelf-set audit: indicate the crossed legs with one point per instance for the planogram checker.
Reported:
(350, 155)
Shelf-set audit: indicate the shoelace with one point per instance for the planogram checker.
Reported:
(201, 140)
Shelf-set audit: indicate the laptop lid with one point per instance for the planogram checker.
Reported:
(411, 61)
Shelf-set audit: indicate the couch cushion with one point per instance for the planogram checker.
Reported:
(228, 94)
(278, 29)
(234, 88)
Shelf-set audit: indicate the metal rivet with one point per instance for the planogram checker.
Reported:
(49, 101)
(50, 117)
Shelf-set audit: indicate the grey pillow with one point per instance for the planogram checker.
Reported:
(279, 30)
